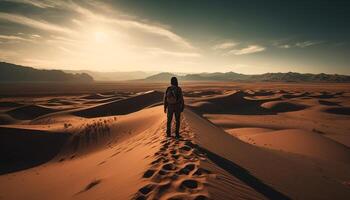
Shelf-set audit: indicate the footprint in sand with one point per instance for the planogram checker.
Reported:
(189, 184)
(149, 173)
(175, 173)
(91, 185)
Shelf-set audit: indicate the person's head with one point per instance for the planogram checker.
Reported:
(173, 81)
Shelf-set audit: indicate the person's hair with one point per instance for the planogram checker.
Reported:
(173, 81)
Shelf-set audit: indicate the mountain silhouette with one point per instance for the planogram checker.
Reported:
(232, 76)
(17, 73)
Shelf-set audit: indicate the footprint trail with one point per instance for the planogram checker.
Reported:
(175, 171)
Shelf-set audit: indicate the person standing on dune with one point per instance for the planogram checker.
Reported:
(173, 105)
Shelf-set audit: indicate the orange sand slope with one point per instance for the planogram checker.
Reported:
(254, 144)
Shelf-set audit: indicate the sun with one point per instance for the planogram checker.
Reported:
(100, 37)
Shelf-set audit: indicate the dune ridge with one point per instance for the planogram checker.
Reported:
(123, 106)
(283, 106)
(232, 103)
(296, 141)
(29, 112)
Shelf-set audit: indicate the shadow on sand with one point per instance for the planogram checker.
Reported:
(24, 148)
(234, 103)
(243, 175)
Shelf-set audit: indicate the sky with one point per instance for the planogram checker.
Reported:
(250, 37)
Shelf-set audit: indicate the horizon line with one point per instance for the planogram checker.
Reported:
(172, 72)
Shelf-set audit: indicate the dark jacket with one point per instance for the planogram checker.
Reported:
(180, 104)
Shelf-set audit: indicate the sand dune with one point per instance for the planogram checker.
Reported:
(10, 104)
(295, 95)
(29, 112)
(339, 110)
(259, 163)
(105, 100)
(296, 141)
(96, 96)
(325, 95)
(24, 148)
(245, 132)
(7, 119)
(283, 106)
(259, 93)
(61, 101)
(123, 106)
(265, 98)
(239, 103)
(232, 103)
(114, 166)
(96, 133)
(204, 93)
(106, 148)
(328, 103)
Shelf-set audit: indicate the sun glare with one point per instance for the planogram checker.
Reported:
(100, 37)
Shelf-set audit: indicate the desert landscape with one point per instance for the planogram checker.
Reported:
(238, 141)
(174, 100)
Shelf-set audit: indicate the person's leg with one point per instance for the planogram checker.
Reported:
(170, 113)
(177, 119)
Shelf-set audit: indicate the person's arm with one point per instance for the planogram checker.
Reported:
(182, 101)
(165, 102)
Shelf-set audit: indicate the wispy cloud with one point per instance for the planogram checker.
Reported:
(225, 45)
(307, 43)
(7, 54)
(92, 34)
(141, 26)
(247, 50)
(35, 36)
(68, 51)
(34, 23)
(37, 62)
(89, 14)
(13, 37)
(37, 3)
(303, 44)
(285, 46)
(159, 51)
(155, 30)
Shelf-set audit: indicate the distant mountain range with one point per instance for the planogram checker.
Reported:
(232, 76)
(114, 76)
(17, 73)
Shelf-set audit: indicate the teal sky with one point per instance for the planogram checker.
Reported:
(178, 36)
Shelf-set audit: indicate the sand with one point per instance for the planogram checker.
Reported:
(239, 141)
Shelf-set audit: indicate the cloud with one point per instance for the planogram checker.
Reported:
(247, 50)
(75, 41)
(64, 40)
(287, 45)
(35, 36)
(68, 51)
(37, 62)
(89, 14)
(238, 51)
(7, 54)
(12, 37)
(307, 44)
(159, 51)
(34, 23)
(142, 26)
(225, 45)
(37, 3)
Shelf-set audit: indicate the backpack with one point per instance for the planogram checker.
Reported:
(172, 95)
